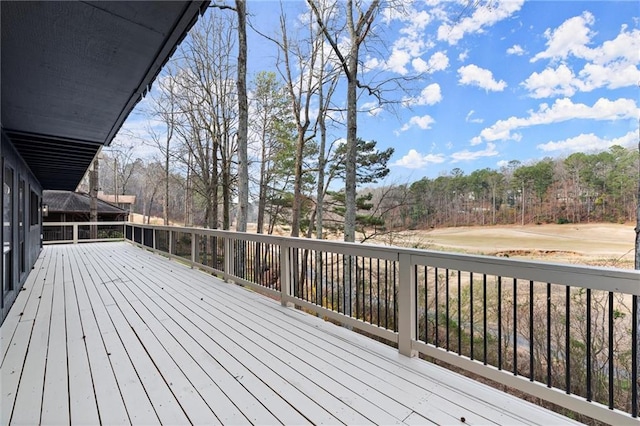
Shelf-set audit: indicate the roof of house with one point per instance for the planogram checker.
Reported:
(122, 199)
(75, 202)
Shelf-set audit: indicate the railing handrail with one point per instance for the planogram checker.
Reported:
(109, 223)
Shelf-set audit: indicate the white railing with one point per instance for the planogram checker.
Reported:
(77, 232)
(567, 334)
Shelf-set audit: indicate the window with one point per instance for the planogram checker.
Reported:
(34, 208)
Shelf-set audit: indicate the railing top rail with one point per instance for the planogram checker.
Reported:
(110, 223)
(594, 277)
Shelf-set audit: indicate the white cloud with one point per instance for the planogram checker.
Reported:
(430, 95)
(468, 118)
(414, 160)
(550, 82)
(473, 75)
(483, 16)
(571, 37)
(625, 47)
(408, 48)
(372, 108)
(466, 155)
(437, 62)
(516, 49)
(423, 122)
(463, 55)
(398, 61)
(589, 142)
(613, 64)
(562, 110)
(574, 36)
(611, 76)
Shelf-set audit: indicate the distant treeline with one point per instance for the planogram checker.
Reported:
(600, 187)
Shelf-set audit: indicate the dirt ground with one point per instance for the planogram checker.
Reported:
(592, 244)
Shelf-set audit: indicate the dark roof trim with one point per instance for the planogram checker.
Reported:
(173, 39)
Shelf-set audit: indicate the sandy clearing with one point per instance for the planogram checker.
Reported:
(602, 244)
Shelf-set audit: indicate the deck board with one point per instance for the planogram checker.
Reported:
(140, 339)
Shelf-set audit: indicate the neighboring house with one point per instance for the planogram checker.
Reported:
(125, 202)
(69, 206)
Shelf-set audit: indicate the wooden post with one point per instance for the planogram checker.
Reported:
(285, 276)
(93, 200)
(228, 253)
(406, 307)
(75, 233)
(194, 255)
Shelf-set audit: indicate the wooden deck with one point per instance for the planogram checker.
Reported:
(109, 333)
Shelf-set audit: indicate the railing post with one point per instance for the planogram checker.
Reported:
(142, 236)
(153, 232)
(406, 307)
(75, 233)
(285, 275)
(170, 241)
(194, 256)
(228, 250)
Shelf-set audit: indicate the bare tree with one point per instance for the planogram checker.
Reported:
(357, 31)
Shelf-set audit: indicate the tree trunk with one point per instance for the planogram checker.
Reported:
(352, 133)
(243, 118)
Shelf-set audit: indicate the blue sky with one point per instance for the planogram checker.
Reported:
(510, 80)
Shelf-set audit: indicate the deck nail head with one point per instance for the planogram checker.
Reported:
(462, 419)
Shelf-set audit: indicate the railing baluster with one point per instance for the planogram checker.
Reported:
(548, 335)
(484, 318)
(611, 356)
(459, 313)
(370, 292)
(426, 304)
(588, 344)
(378, 290)
(446, 301)
(531, 324)
(395, 293)
(515, 327)
(499, 322)
(567, 348)
(437, 336)
(415, 281)
(386, 294)
(635, 330)
(471, 332)
(357, 289)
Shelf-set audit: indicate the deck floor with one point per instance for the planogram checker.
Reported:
(109, 333)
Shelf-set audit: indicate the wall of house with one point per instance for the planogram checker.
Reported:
(22, 223)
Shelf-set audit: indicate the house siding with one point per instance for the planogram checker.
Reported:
(25, 241)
